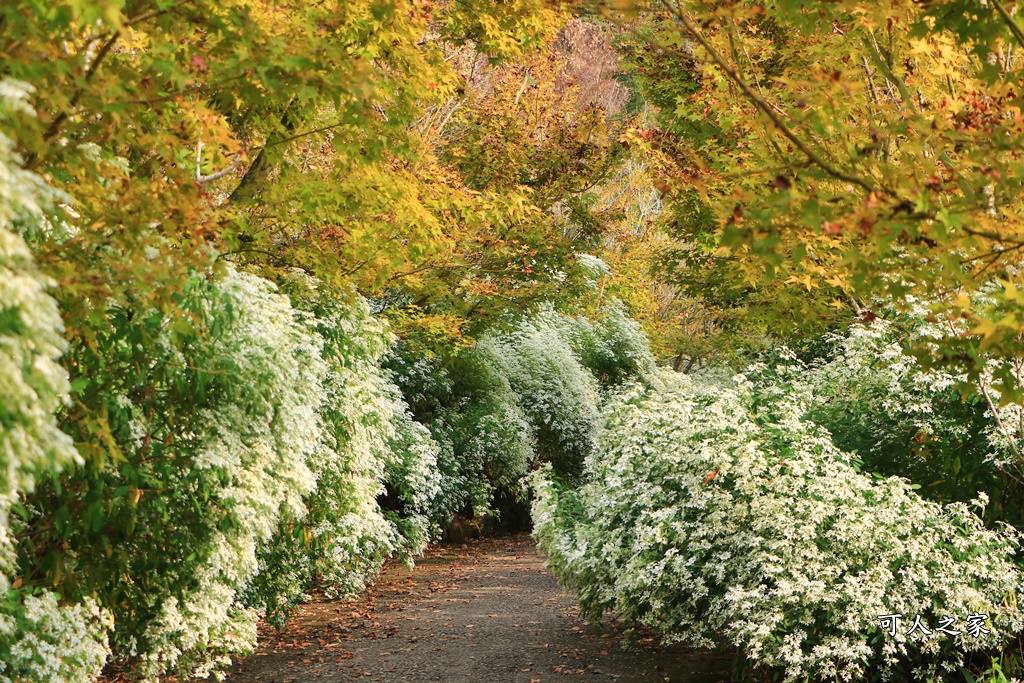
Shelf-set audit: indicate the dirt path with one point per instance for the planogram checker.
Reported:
(486, 612)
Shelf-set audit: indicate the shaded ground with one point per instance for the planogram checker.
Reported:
(487, 611)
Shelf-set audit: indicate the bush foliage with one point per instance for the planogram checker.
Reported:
(41, 638)
(715, 512)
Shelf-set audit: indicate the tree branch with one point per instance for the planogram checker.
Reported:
(260, 165)
(890, 77)
(1014, 28)
(994, 236)
(811, 155)
(203, 179)
(55, 126)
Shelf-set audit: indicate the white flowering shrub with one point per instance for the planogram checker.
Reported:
(613, 347)
(485, 441)
(898, 417)
(492, 438)
(492, 429)
(54, 643)
(557, 394)
(593, 269)
(40, 638)
(712, 513)
(210, 417)
(34, 384)
(243, 449)
(376, 469)
(412, 482)
(379, 451)
(527, 391)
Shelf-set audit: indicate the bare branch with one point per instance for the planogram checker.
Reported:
(203, 179)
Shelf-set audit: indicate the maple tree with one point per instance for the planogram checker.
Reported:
(822, 162)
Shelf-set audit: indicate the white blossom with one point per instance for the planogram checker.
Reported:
(714, 513)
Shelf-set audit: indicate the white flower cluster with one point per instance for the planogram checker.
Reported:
(34, 384)
(613, 347)
(40, 639)
(305, 433)
(485, 442)
(556, 365)
(257, 442)
(375, 442)
(870, 384)
(557, 394)
(55, 643)
(869, 368)
(258, 436)
(369, 446)
(593, 268)
(931, 425)
(714, 513)
(527, 391)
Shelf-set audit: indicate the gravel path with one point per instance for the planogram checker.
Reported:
(484, 612)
